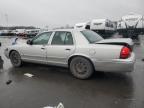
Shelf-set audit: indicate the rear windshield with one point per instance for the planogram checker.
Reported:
(91, 36)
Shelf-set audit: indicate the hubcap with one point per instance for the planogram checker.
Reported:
(15, 58)
(81, 67)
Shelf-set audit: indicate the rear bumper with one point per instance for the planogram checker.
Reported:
(116, 65)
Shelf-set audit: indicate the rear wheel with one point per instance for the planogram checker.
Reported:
(81, 67)
(15, 59)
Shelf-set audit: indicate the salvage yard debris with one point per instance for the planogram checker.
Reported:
(60, 105)
(9, 82)
(28, 75)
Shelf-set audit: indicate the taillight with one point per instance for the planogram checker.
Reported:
(125, 53)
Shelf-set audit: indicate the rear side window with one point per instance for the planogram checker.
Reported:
(91, 36)
(62, 38)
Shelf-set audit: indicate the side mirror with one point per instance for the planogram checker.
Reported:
(29, 42)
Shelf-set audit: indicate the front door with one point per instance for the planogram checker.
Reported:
(36, 51)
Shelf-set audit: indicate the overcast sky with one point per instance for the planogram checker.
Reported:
(61, 12)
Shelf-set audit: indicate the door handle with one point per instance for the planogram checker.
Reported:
(68, 49)
(42, 48)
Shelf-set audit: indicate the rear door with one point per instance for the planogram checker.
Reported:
(62, 46)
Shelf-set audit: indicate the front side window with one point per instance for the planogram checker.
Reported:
(62, 38)
(42, 39)
(91, 36)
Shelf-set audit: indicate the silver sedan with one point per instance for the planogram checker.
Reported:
(82, 51)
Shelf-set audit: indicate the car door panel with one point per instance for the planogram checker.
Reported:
(59, 51)
(59, 54)
(36, 52)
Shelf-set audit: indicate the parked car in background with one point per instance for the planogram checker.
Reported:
(7, 33)
(20, 32)
(32, 32)
(82, 51)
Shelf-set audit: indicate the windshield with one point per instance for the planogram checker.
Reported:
(91, 36)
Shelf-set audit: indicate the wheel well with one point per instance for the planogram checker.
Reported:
(11, 52)
(70, 59)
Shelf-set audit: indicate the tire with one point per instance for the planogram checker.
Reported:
(15, 59)
(81, 68)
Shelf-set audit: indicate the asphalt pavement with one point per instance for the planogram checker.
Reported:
(51, 85)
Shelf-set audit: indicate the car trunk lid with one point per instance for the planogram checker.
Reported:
(119, 41)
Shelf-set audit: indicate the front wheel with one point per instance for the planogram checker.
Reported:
(81, 68)
(15, 59)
